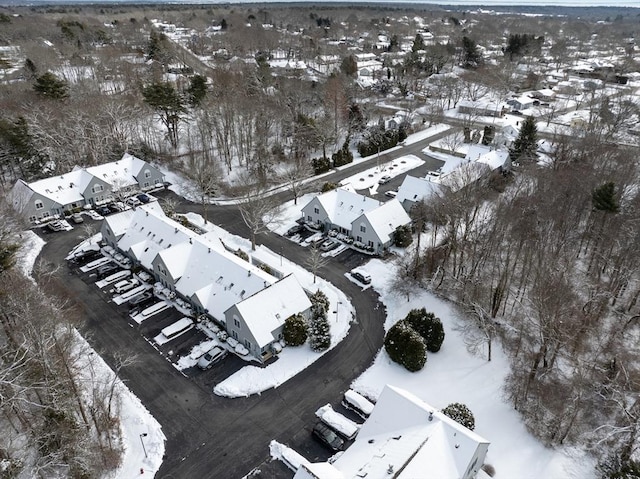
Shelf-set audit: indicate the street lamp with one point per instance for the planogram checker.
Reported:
(337, 308)
(144, 434)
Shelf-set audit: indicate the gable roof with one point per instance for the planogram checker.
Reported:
(415, 189)
(412, 439)
(488, 155)
(63, 189)
(343, 206)
(266, 311)
(119, 173)
(386, 218)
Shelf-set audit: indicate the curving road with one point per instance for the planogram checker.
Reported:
(210, 436)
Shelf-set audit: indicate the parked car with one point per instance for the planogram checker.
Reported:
(211, 357)
(294, 230)
(328, 437)
(125, 285)
(142, 299)
(133, 201)
(56, 225)
(143, 198)
(103, 210)
(384, 180)
(328, 245)
(115, 207)
(391, 193)
(364, 278)
(106, 270)
(77, 218)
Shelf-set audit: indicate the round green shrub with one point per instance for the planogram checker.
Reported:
(428, 326)
(405, 346)
(295, 330)
(460, 414)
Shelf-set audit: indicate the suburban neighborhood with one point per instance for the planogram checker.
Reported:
(319, 242)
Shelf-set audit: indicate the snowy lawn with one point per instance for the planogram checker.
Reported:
(137, 425)
(454, 375)
(291, 361)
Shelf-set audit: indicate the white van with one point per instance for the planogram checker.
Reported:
(174, 330)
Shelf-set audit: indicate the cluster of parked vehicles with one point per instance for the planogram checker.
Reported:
(335, 430)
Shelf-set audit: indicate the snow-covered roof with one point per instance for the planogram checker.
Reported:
(487, 155)
(464, 174)
(20, 195)
(416, 189)
(121, 173)
(318, 470)
(63, 189)
(386, 218)
(409, 438)
(344, 206)
(265, 311)
(218, 279)
(120, 222)
(150, 232)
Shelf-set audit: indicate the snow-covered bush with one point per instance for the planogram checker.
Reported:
(428, 326)
(461, 414)
(405, 346)
(295, 330)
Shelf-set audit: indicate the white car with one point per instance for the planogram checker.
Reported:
(391, 193)
(212, 356)
(125, 285)
(385, 179)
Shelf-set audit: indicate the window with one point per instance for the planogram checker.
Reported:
(145, 184)
(370, 243)
(147, 174)
(96, 188)
(309, 217)
(46, 214)
(359, 239)
(236, 322)
(39, 205)
(363, 229)
(234, 334)
(32, 219)
(316, 211)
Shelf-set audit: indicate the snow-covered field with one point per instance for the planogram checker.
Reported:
(454, 375)
(369, 178)
(142, 436)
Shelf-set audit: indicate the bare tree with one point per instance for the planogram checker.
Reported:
(315, 260)
(257, 208)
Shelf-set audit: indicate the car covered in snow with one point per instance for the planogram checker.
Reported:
(211, 357)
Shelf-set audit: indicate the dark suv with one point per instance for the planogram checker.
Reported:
(328, 436)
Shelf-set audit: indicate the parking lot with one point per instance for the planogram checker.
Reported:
(149, 329)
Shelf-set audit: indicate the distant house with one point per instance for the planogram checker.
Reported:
(248, 302)
(405, 438)
(495, 159)
(481, 108)
(366, 220)
(60, 195)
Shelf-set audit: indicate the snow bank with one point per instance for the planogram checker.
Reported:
(287, 455)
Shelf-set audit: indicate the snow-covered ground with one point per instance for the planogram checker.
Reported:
(251, 379)
(455, 375)
(369, 178)
(142, 436)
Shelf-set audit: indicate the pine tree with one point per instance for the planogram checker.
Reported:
(197, 90)
(604, 199)
(50, 86)
(319, 329)
(167, 102)
(418, 43)
(526, 145)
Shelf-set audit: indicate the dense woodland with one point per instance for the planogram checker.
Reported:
(543, 262)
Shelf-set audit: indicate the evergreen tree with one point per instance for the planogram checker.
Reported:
(418, 44)
(402, 236)
(319, 330)
(460, 414)
(428, 326)
(295, 330)
(604, 199)
(167, 102)
(158, 48)
(526, 145)
(349, 66)
(197, 90)
(406, 347)
(319, 298)
(50, 86)
(471, 56)
(18, 145)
